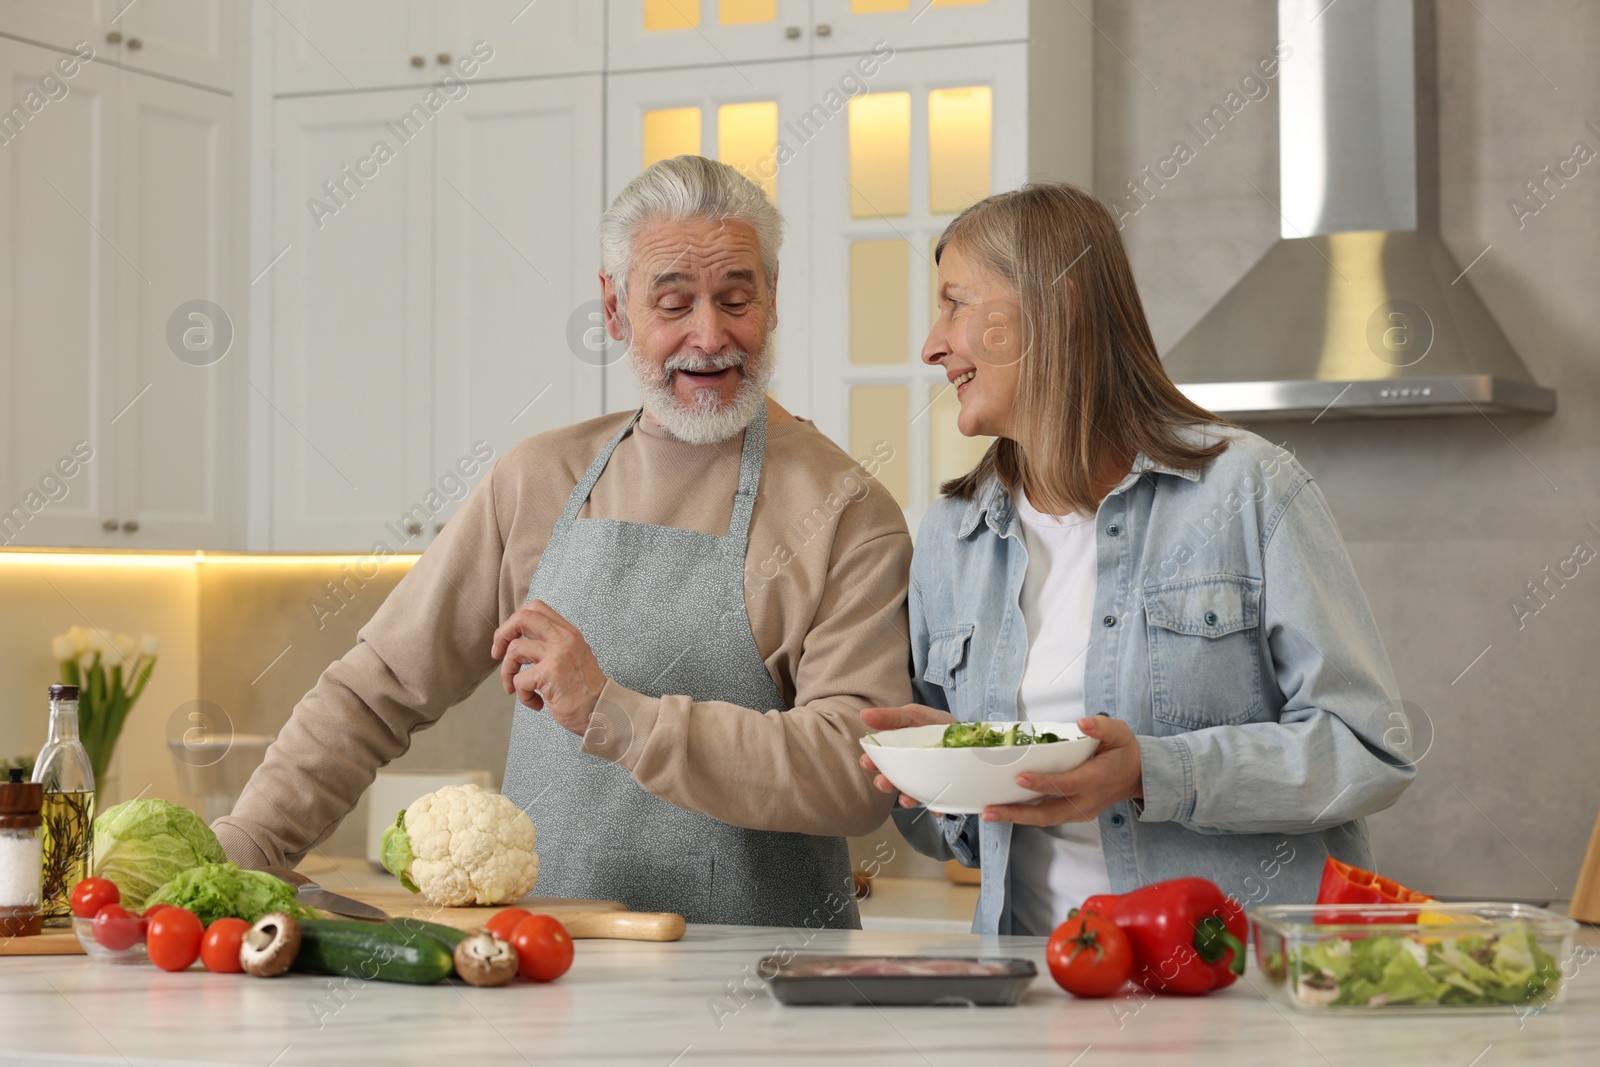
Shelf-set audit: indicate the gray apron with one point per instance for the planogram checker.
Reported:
(663, 609)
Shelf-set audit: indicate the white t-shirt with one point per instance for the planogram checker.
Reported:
(1054, 868)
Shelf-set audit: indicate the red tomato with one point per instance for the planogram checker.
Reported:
(505, 923)
(1089, 956)
(115, 927)
(150, 912)
(544, 948)
(174, 938)
(219, 948)
(92, 894)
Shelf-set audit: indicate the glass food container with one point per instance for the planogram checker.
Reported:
(21, 855)
(1387, 958)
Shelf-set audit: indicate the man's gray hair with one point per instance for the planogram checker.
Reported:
(682, 188)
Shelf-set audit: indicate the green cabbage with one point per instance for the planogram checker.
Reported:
(396, 849)
(217, 890)
(142, 844)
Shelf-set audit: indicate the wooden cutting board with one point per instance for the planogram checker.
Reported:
(582, 918)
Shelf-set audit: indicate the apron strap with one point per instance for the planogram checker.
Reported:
(585, 486)
(744, 499)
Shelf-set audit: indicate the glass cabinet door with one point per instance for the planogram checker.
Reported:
(645, 34)
(847, 26)
(752, 118)
(938, 132)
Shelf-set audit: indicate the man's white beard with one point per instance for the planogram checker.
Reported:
(704, 422)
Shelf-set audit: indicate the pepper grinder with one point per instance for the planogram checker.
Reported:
(21, 855)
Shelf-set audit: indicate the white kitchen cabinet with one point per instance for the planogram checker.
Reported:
(731, 34)
(117, 212)
(941, 130)
(350, 393)
(517, 196)
(370, 44)
(190, 40)
(543, 38)
(422, 304)
(754, 118)
(845, 27)
(176, 444)
(58, 263)
(351, 44)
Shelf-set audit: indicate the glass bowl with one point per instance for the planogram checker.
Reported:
(134, 953)
(1390, 958)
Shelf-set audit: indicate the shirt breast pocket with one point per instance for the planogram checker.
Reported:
(948, 665)
(1205, 652)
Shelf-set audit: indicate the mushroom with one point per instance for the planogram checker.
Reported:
(485, 960)
(1318, 988)
(270, 946)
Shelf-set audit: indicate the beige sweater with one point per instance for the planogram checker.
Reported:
(825, 589)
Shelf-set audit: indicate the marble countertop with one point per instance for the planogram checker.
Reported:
(697, 1001)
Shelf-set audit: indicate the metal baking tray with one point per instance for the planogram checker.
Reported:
(884, 981)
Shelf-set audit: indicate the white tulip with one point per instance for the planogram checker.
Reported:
(127, 646)
(150, 645)
(63, 648)
(86, 661)
(97, 642)
(80, 638)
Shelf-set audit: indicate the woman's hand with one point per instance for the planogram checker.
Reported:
(895, 719)
(1113, 774)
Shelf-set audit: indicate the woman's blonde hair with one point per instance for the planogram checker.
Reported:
(1092, 389)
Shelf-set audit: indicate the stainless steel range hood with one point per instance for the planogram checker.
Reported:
(1360, 309)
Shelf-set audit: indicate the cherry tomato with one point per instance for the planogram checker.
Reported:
(505, 923)
(219, 948)
(92, 894)
(174, 938)
(544, 948)
(115, 927)
(1089, 956)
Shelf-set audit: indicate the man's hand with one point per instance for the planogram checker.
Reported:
(1113, 774)
(563, 676)
(895, 719)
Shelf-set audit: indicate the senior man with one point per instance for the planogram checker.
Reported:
(694, 602)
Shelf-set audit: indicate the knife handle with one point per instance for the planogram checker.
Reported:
(623, 925)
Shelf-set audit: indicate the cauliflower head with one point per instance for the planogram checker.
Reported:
(463, 845)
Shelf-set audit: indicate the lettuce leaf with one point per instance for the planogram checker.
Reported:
(396, 850)
(217, 890)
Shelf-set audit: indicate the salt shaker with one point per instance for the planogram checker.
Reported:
(21, 855)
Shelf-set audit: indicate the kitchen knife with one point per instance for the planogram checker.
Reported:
(313, 895)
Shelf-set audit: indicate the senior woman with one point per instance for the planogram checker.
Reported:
(1123, 558)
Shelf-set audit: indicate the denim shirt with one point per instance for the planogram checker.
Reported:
(1229, 632)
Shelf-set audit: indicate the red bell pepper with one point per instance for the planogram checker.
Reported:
(1187, 937)
(1344, 884)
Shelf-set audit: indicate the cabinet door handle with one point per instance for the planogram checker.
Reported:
(413, 528)
(113, 37)
(418, 61)
(134, 44)
(823, 29)
(438, 528)
(444, 59)
(131, 526)
(111, 526)
(792, 32)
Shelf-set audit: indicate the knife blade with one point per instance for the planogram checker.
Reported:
(317, 897)
(313, 895)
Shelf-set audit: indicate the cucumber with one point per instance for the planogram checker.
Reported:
(450, 935)
(382, 951)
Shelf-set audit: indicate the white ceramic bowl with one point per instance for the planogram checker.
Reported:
(963, 781)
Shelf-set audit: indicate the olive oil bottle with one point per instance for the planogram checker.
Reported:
(63, 768)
